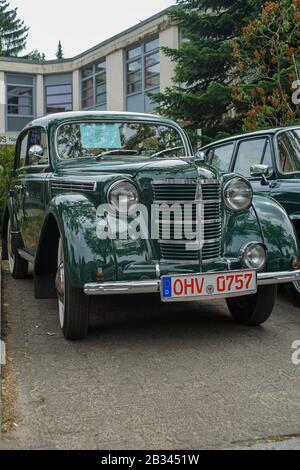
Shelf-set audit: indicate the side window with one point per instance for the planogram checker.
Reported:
(38, 137)
(220, 157)
(252, 152)
(289, 151)
(23, 151)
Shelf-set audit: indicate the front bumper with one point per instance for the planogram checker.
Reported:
(153, 286)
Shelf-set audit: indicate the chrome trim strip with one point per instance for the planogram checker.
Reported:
(153, 286)
(283, 277)
(184, 181)
(27, 256)
(196, 201)
(61, 182)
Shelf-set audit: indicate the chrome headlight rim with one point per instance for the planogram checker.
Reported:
(115, 185)
(237, 179)
(246, 248)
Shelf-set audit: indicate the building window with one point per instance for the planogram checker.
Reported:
(58, 93)
(93, 86)
(143, 75)
(58, 98)
(20, 101)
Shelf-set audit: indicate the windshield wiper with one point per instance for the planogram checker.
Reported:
(116, 152)
(168, 150)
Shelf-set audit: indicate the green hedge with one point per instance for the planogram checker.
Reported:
(6, 166)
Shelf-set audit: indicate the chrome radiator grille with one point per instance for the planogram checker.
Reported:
(192, 192)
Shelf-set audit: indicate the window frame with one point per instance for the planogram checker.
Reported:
(224, 144)
(93, 77)
(255, 137)
(58, 94)
(27, 165)
(142, 57)
(276, 146)
(184, 137)
(32, 86)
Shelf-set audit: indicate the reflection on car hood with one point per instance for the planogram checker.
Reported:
(135, 167)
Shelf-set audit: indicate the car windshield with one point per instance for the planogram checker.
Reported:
(96, 139)
(289, 151)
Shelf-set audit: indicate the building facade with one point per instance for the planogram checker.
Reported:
(116, 75)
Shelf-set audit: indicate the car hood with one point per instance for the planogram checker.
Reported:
(139, 168)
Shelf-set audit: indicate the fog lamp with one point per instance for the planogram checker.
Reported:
(254, 256)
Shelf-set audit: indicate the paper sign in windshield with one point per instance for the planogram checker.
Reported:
(100, 136)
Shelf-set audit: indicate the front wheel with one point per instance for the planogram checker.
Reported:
(73, 304)
(253, 310)
(18, 266)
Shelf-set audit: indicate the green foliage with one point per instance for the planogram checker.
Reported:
(36, 55)
(59, 53)
(202, 92)
(13, 32)
(267, 56)
(6, 166)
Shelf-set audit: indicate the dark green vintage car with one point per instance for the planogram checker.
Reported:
(115, 203)
(270, 160)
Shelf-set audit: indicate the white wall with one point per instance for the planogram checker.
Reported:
(2, 102)
(115, 81)
(167, 38)
(40, 105)
(76, 91)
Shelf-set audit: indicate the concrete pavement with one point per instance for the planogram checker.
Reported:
(151, 376)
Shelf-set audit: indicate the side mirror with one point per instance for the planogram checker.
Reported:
(260, 170)
(200, 156)
(36, 153)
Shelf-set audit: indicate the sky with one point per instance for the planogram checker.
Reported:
(80, 24)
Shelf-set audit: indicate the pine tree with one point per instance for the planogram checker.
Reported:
(36, 55)
(13, 32)
(59, 53)
(202, 91)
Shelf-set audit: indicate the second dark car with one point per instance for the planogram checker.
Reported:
(270, 160)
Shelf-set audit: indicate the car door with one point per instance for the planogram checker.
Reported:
(251, 152)
(32, 188)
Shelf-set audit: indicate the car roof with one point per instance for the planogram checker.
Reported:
(271, 131)
(59, 118)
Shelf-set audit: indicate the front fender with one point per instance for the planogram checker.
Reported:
(84, 252)
(278, 233)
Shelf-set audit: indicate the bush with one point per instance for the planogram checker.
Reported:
(6, 166)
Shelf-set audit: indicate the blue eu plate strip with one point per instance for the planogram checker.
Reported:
(167, 287)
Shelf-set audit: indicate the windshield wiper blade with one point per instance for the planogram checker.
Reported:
(168, 150)
(117, 152)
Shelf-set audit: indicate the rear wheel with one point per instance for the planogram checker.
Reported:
(253, 310)
(73, 304)
(17, 265)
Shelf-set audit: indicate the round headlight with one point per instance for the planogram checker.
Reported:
(122, 196)
(238, 194)
(254, 256)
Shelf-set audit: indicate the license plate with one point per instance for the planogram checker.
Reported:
(211, 285)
